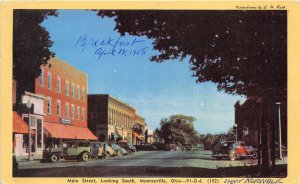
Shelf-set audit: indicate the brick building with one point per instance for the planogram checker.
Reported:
(65, 90)
(58, 99)
(111, 119)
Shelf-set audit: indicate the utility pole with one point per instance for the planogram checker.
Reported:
(279, 131)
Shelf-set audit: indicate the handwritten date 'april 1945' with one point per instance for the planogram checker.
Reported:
(111, 46)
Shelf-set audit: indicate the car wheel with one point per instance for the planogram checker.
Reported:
(254, 154)
(54, 158)
(129, 152)
(106, 155)
(232, 156)
(120, 153)
(219, 158)
(85, 157)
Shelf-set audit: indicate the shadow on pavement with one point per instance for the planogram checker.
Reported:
(149, 171)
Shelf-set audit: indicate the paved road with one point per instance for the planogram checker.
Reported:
(144, 164)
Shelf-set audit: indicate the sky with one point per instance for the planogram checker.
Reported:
(121, 67)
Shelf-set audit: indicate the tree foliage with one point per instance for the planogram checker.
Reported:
(31, 44)
(177, 129)
(244, 52)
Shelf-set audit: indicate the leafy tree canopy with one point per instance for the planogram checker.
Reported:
(244, 52)
(178, 129)
(31, 44)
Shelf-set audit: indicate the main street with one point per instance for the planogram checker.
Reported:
(147, 164)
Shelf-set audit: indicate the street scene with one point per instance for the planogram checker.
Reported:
(158, 164)
(149, 93)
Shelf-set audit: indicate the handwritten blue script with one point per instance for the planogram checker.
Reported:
(111, 46)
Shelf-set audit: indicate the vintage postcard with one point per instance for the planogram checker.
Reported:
(149, 92)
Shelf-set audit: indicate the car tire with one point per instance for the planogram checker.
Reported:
(219, 158)
(54, 158)
(85, 157)
(119, 153)
(232, 156)
(106, 155)
(254, 154)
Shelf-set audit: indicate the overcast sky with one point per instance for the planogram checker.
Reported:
(120, 66)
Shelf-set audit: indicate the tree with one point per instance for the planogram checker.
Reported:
(178, 129)
(31, 44)
(243, 52)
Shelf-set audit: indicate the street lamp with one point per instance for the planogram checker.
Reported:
(235, 126)
(279, 130)
(28, 105)
(122, 133)
(115, 132)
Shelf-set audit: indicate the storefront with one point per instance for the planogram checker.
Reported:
(56, 133)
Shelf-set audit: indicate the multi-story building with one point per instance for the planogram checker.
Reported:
(57, 110)
(248, 117)
(139, 130)
(111, 119)
(65, 90)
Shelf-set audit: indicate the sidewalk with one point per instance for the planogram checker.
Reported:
(22, 159)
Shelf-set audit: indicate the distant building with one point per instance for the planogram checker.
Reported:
(248, 115)
(110, 119)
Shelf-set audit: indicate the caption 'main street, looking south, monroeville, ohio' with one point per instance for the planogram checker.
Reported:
(138, 94)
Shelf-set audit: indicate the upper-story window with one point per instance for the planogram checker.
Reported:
(73, 90)
(78, 92)
(49, 106)
(78, 112)
(42, 77)
(58, 108)
(58, 84)
(72, 111)
(49, 80)
(82, 114)
(67, 88)
(83, 94)
(67, 110)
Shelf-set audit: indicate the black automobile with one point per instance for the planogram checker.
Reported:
(128, 146)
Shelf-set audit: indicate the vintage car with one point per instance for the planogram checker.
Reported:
(128, 147)
(80, 150)
(120, 151)
(233, 150)
(101, 150)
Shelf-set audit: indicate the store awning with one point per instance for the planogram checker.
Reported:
(19, 125)
(138, 136)
(57, 130)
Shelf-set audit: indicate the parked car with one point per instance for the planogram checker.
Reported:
(120, 151)
(233, 150)
(101, 150)
(145, 147)
(128, 146)
(80, 150)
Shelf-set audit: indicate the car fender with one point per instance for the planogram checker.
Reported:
(85, 152)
